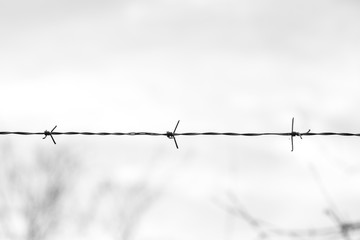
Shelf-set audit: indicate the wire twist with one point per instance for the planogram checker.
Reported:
(47, 133)
(295, 134)
(174, 134)
(171, 135)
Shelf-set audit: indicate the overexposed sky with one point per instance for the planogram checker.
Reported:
(243, 66)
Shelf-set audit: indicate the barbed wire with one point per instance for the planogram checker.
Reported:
(174, 134)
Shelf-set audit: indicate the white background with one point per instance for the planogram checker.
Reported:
(241, 66)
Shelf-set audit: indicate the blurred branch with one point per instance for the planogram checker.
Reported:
(123, 205)
(34, 194)
(344, 227)
(267, 230)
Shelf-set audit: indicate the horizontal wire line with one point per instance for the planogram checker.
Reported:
(187, 133)
(173, 134)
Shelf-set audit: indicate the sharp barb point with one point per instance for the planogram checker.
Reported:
(292, 134)
(176, 143)
(173, 134)
(177, 124)
(47, 133)
(53, 139)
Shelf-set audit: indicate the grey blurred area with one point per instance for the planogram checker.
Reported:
(224, 66)
(48, 195)
(34, 192)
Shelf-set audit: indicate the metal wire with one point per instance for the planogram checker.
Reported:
(173, 134)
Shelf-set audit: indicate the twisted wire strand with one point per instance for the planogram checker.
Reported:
(174, 134)
(267, 134)
(189, 134)
(86, 133)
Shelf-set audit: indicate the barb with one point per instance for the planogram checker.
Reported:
(171, 135)
(47, 133)
(294, 134)
(174, 134)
